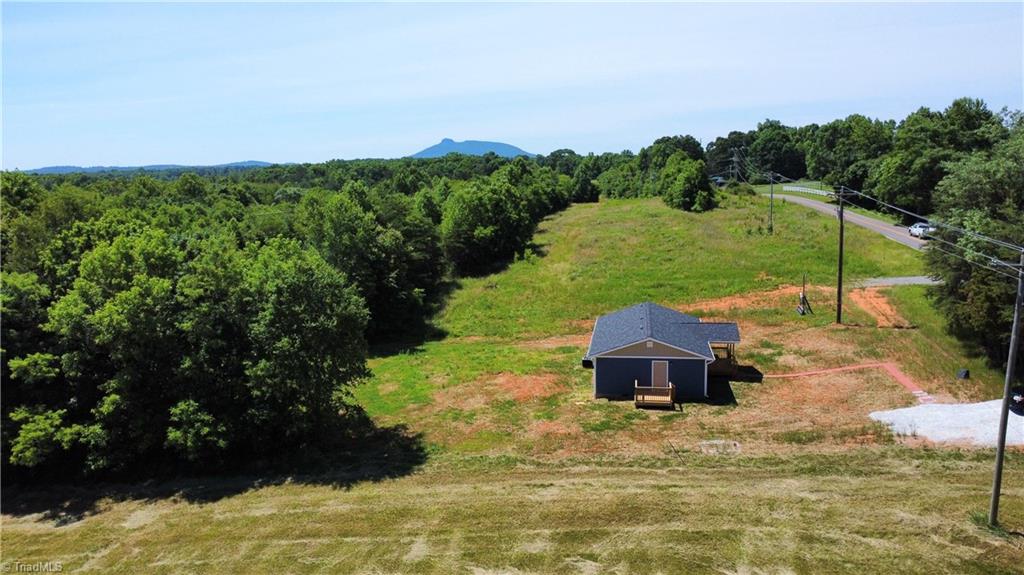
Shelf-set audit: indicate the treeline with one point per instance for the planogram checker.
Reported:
(899, 163)
(672, 167)
(982, 192)
(154, 324)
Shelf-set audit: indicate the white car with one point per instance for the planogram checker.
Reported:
(921, 230)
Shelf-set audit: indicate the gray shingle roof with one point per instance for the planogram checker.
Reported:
(650, 320)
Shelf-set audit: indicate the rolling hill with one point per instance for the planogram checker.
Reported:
(149, 168)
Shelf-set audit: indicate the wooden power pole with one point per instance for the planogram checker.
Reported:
(839, 280)
(1011, 364)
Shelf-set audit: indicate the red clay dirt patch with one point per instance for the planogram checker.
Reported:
(540, 428)
(877, 306)
(762, 299)
(892, 369)
(527, 387)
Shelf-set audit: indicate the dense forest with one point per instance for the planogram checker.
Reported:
(222, 319)
(164, 320)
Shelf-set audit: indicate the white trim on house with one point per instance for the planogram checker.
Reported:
(711, 343)
(646, 339)
(657, 357)
(706, 378)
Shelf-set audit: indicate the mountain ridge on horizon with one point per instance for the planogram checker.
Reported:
(58, 170)
(471, 148)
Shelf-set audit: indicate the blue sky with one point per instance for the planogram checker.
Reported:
(123, 84)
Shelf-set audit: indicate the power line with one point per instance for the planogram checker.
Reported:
(955, 255)
(998, 242)
(971, 251)
(942, 224)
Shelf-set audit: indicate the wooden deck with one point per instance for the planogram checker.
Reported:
(645, 396)
(725, 360)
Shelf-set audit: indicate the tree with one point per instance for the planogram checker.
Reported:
(584, 188)
(924, 143)
(620, 181)
(21, 192)
(843, 151)
(564, 161)
(684, 184)
(117, 336)
(775, 149)
(483, 224)
(983, 192)
(719, 154)
(300, 366)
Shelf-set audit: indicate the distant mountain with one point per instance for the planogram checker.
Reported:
(471, 148)
(151, 168)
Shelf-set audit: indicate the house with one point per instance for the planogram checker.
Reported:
(655, 355)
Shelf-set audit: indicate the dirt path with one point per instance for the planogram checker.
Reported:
(895, 372)
(758, 299)
(877, 305)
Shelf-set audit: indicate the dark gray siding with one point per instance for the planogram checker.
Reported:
(614, 376)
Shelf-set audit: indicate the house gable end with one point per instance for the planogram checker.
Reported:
(651, 348)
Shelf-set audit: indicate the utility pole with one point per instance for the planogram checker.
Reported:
(1011, 363)
(734, 169)
(840, 192)
(771, 202)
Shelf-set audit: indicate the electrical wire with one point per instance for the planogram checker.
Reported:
(941, 224)
(992, 260)
(993, 270)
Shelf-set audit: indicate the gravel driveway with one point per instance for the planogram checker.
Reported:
(976, 423)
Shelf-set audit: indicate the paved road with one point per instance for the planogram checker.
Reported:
(892, 231)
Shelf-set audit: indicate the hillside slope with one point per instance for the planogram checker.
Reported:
(527, 474)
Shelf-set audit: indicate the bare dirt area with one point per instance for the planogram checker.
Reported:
(785, 294)
(783, 416)
(785, 348)
(544, 428)
(464, 397)
(490, 388)
(888, 367)
(874, 302)
(527, 387)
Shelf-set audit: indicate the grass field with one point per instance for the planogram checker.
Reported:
(526, 473)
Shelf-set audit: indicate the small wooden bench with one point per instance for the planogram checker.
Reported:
(650, 396)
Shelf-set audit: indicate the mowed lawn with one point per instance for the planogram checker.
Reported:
(526, 473)
(869, 511)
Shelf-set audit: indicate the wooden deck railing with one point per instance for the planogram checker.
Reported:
(650, 395)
